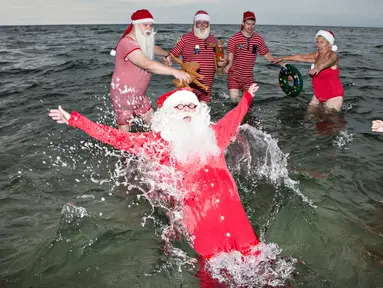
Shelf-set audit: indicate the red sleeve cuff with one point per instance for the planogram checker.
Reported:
(74, 118)
(248, 97)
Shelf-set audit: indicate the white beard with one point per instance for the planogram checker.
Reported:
(201, 34)
(191, 142)
(146, 41)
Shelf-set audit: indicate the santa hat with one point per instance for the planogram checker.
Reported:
(140, 16)
(201, 15)
(246, 16)
(329, 36)
(175, 97)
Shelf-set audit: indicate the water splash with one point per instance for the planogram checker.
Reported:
(158, 184)
(72, 214)
(261, 267)
(256, 155)
(342, 140)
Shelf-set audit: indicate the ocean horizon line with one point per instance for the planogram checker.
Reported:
(221, 24)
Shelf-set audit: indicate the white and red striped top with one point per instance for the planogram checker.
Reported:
(193, 49)
(245, 52)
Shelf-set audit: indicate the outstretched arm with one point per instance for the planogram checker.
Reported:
(269, 57)
(226, 128)
(298, 58)
(159, 51)
(139, 59)
(130, 142)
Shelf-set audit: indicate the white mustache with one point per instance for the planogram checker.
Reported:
(150, 32)
(182, 115)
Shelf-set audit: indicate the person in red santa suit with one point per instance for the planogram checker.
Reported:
(184, 139)
(134, 64)
(195, 47)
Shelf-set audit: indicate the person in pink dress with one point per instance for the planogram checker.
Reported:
(134, 64)
(182, 138)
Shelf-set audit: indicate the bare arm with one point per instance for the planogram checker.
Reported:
(139, 59)
(272, 59)
(230, 57)
(300, 57)
(327, 62)
(160, 52)
(324, 62)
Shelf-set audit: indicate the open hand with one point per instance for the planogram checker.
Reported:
(167, 60)
(182, 76)
(253, 88)
(59, 115)
(277, 60)
(315, 71)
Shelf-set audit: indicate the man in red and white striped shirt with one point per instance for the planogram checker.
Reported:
(195, 47)
(242, 50)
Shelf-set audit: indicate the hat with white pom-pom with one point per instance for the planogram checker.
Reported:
(140, 16)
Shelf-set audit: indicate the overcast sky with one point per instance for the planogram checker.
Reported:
(282, 12)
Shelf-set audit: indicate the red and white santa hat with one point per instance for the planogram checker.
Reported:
(175, 97)
(140, 16)
(329, 36)
(201, 15)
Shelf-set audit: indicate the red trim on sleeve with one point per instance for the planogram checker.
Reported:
(129, 53)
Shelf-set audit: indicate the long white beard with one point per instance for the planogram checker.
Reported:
(191, 142)
(146, 41)
(201, 34)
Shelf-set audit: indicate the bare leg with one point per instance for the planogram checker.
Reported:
(147, 118)
(313, 106)
(125, 127)
(334, 104)
(234, 94)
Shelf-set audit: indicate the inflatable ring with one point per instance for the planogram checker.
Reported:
(293, 72)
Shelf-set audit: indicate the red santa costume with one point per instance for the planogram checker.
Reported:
(212, 210)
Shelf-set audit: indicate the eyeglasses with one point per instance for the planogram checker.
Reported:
(182, 106)
(202, 23)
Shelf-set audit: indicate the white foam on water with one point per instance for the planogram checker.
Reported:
(263, 266)
(342, 140)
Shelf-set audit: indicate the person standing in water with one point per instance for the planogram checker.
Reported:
(243, 48)
(134, 64)
(327, 87)
(195, 46)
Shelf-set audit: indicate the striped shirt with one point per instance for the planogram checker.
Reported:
(193, 49)
(245, 52)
